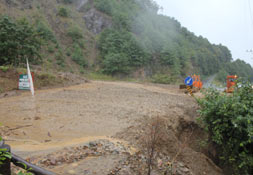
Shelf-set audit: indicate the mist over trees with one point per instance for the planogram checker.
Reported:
(138, 38)
(144, 37)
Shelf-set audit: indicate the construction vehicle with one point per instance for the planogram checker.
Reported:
(196, 85)
(231, 82)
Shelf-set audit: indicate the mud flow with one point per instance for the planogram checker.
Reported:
(75, 130)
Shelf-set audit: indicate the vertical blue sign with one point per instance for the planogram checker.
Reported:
(188, 81)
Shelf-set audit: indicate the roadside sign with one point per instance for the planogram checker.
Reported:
(188, 81)
(23, 83)
(190, 90)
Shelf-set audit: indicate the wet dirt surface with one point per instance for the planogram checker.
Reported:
(63, 117)
(91, 109)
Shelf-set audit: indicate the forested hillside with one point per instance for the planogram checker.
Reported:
(116, 37)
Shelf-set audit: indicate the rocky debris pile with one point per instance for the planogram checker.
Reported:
(129, 164)
(137, 164)
(75, 154)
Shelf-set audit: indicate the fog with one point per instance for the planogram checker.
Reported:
(228, 22)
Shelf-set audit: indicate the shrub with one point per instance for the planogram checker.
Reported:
(75, 33)
(105, 6)
(50, 49)
(162, 79)
(78, 57)
(60, 59)
(68, 51)
(4, 68)
(229, 120)
(63, 12)
(116, 63)
(45, 32)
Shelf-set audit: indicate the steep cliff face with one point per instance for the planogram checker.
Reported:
(96, 21)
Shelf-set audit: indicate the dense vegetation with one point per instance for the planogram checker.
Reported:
(237, 67)
(228, 118)
(18, 41)
(140, 37)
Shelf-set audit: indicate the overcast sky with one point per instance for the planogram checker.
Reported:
(228, 22)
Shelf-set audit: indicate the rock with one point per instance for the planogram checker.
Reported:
(96, 21)
(185, 170)
(180, 164)
(37, 118)
(80, 4)
(71, 172)
(92, 144)
(86, 172)
(52, 161)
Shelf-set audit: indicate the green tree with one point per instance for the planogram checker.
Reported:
(115, 63)
(138, 31)
(168, 56)
(18, 41)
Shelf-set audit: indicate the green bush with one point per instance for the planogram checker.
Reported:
(68, 51)
(45, 32)
(105, 6)
(78, 56)
(229, 120)
(81, 43)
(50, 49)
(115, 63)
(60, 59)
(162, 79)
(63, 12)
(4, 68)
(75, 33)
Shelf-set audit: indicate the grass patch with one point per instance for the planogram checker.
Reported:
(21, 70)
(46, 79)
(162, 79)
(100, 76)
(4, 68)
(105, 77)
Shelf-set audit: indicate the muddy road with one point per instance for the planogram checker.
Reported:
(58, 118)
(93, 109)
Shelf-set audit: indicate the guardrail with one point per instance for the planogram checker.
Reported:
(5, 168)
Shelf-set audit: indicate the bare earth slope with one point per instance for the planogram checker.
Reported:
(44, 127)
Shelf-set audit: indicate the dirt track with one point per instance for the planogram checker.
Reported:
(62, 117)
